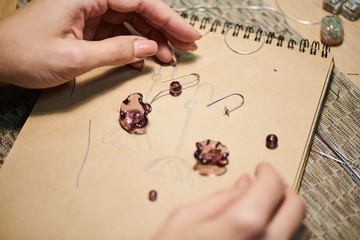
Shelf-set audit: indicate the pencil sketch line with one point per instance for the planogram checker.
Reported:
(190, 105)
(86, 154)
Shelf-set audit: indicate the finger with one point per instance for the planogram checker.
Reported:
(140, 65)
(302, 233)
(90, 28)
(159, 15)
(112, 51)
(114, 17)
(267, 192)
(165, 52)
(183, 46)
(160, 36)
(194, 215)
(250, 216)
(243, 182)
(214, 205)
(217, 203)
(288, 218)
(105, 30)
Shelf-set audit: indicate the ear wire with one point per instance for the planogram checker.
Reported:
(176, 87)
(226, 109)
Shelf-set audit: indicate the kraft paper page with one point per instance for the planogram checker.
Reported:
(75, 173)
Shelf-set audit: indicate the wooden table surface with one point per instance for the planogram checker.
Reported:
(347, 55)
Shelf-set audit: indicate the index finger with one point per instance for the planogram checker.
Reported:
(254, 212)
(250, 216)
(268, 190)
(160, 16)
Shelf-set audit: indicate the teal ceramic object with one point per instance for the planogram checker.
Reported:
(332, 31)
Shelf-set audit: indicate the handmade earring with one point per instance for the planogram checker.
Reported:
(133, 111)
(211, 157)
(228, 110)
(175, 88)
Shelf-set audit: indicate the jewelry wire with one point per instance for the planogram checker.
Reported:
(249, 52)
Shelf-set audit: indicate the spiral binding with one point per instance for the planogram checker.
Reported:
(248, 30)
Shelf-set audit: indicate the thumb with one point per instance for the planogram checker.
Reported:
(216, 204)
(119, 51)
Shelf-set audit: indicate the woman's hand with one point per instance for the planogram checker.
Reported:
(46, 42)
(260, 208)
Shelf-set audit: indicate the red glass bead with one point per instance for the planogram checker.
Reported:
(175, 88)
(271, 141)
(152, 195)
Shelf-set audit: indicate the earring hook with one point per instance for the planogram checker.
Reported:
(177, 86)
(228, 110)
(185, 75)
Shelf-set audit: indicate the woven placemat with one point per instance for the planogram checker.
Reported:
(332, 197)
(15, 106)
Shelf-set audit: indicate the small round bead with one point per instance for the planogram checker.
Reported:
(152, 195)
(271, 141)
(175, 88)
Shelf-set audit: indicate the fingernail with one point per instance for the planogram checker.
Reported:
(200, 36)
(173, 62)
(243, 181)
(140, 65)
(173, 57)
(194, 47)
(144, 48)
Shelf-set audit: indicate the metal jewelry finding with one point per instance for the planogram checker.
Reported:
(226, 109)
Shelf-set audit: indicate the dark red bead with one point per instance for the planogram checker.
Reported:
(152, 195)
(175, 88)
(271, 141)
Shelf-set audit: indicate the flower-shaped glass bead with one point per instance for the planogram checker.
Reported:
(211, 157)
(133, 114)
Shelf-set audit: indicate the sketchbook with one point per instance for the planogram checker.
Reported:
(74, 173)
